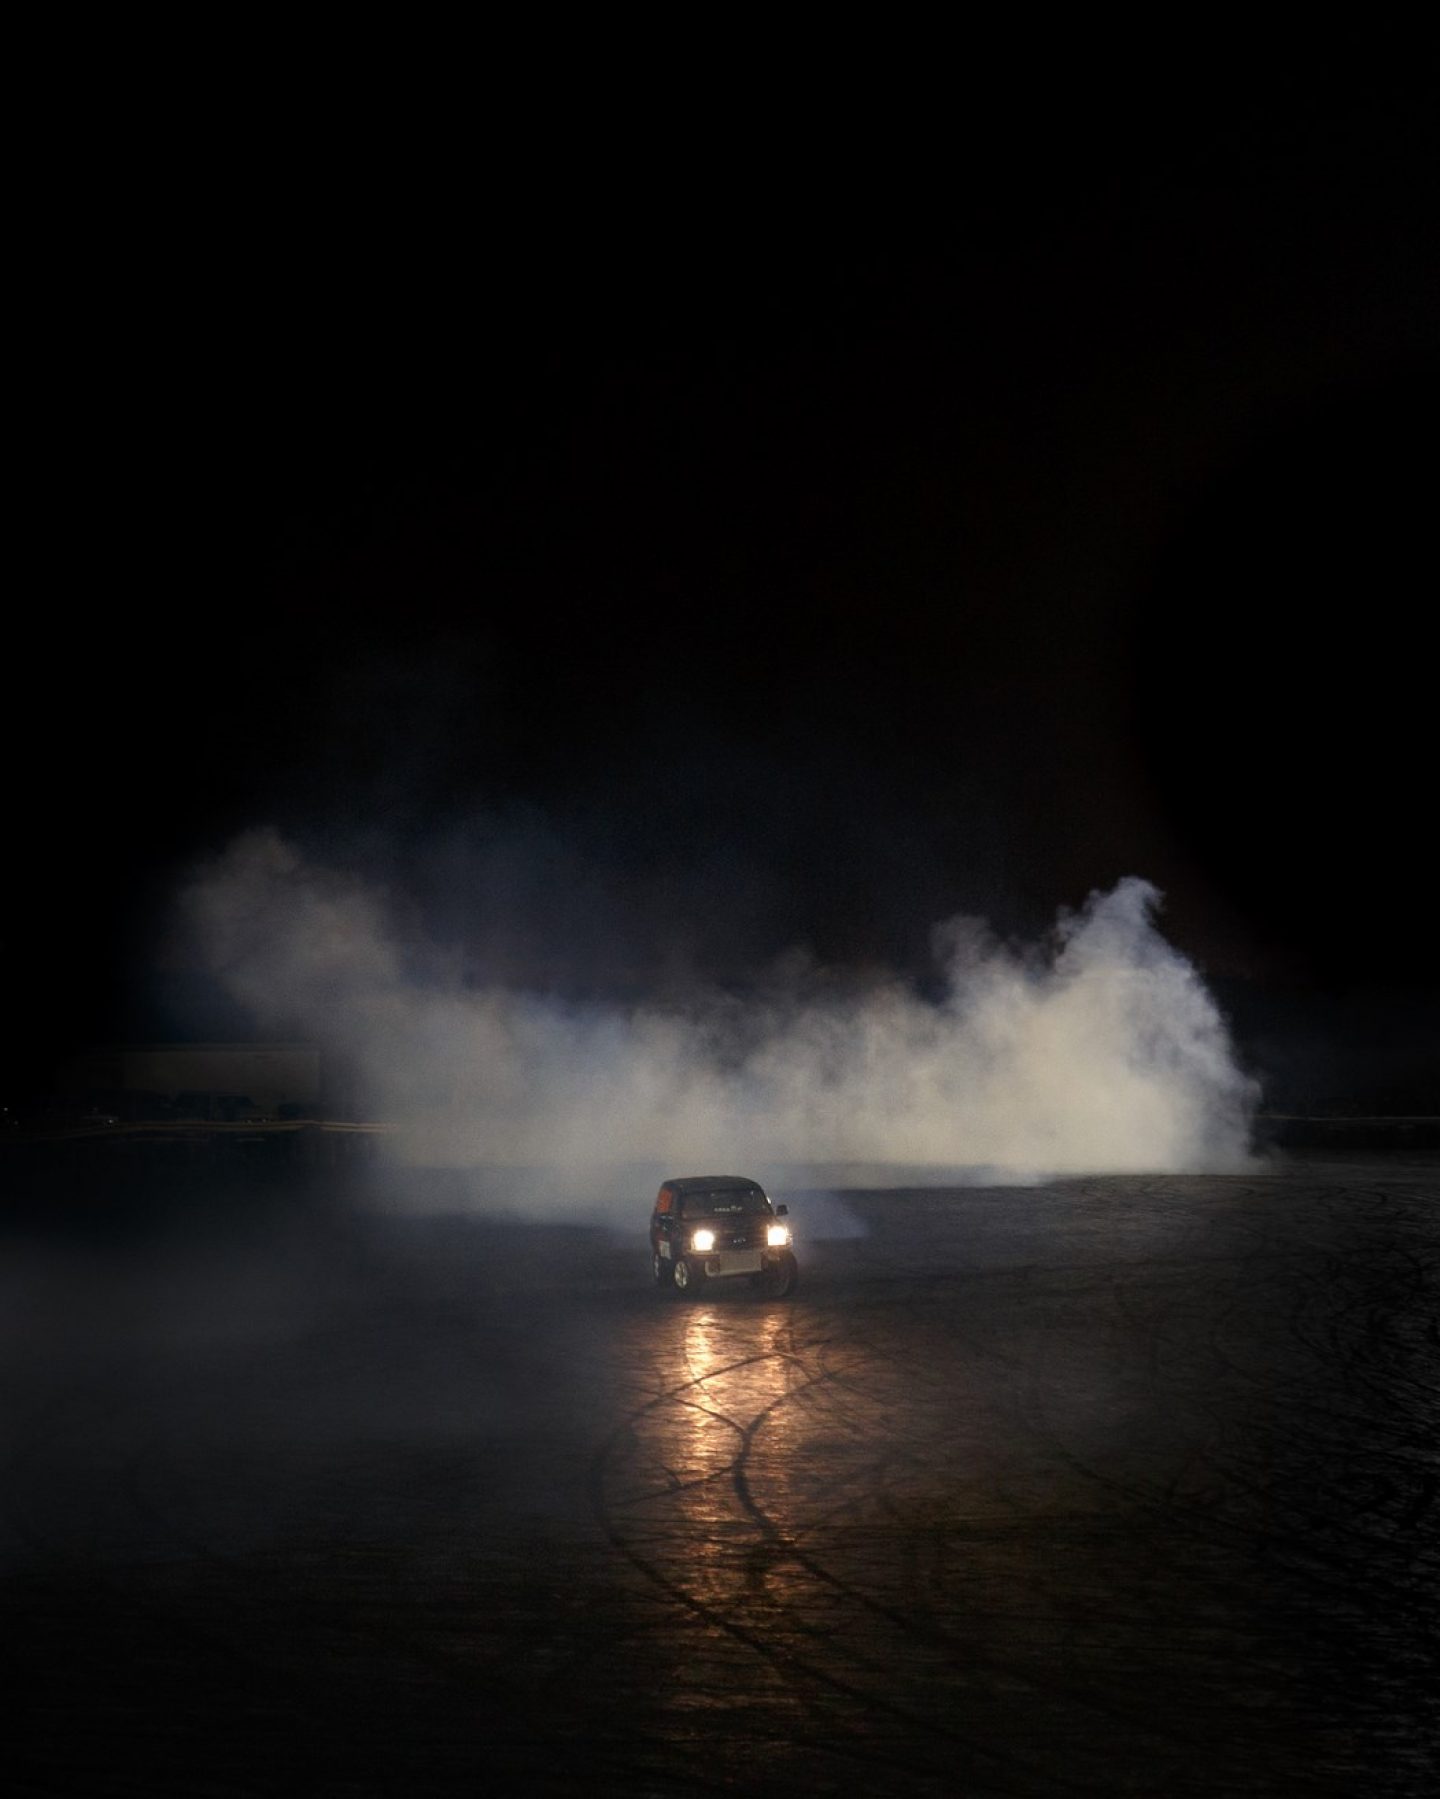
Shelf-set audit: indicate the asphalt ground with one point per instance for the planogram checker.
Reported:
(1106, 1486)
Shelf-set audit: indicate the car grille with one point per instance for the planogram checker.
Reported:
(746, 1233)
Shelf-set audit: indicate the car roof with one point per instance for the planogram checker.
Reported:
(691, 1183)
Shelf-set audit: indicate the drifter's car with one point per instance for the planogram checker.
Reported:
(720, 1227)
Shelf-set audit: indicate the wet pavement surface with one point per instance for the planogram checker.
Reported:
(1106, 1486)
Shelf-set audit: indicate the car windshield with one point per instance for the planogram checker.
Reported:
(724, 1202)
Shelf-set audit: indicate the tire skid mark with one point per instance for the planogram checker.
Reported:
(907, 1622)
(778, 1655)
(1207, 1523)
(141, 1464)
(1202, 1522)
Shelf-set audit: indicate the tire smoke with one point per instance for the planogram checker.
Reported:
(1098, 1052)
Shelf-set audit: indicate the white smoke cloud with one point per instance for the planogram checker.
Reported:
(1101, 1052)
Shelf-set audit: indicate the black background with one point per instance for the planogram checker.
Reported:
(651, 545)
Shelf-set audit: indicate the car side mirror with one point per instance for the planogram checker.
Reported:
(782, 1211)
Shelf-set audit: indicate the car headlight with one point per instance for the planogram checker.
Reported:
(703, 1241)
(778, 1236)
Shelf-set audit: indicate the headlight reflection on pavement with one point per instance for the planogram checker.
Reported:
(742, 1370)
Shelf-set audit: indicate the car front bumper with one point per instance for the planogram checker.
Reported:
(722, 1262)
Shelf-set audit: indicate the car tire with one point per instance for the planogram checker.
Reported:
(688, 1279)
(663, 1269)
(780, 1279)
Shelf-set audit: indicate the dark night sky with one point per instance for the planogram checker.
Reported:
(650, 561)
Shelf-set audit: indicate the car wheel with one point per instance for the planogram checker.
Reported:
(663, 1269)
(688, 1278)
(780, 1278)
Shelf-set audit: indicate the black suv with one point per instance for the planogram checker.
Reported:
(709, 1227)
